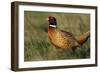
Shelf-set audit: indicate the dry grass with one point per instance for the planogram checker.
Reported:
(37, 45)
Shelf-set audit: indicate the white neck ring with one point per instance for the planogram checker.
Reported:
(53, 26)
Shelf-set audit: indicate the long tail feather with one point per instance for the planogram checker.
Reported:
(83, 38)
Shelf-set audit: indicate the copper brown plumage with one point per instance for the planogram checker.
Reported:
(62, 39)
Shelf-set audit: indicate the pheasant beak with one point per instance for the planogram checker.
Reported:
(47, 19)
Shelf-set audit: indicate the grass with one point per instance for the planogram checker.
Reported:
(37, 46)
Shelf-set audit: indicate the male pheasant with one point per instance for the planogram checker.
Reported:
(62, 39)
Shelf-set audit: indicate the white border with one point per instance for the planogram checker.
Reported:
(34, 64)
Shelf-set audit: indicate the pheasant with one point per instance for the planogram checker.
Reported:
(62, 39)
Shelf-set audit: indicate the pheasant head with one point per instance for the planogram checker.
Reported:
(52, 21)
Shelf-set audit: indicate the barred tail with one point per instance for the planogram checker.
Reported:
(83, 38)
